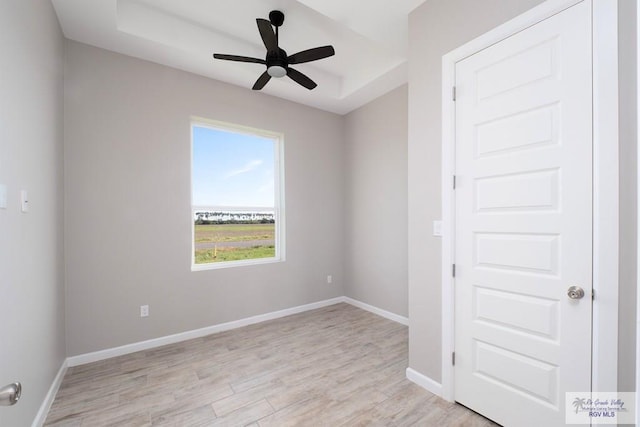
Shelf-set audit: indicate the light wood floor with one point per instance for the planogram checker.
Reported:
(335, 366)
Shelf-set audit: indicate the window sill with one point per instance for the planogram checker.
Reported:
(229, 264)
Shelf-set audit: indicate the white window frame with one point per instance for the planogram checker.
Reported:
(278, 208)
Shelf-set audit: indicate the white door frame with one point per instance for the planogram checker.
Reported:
(604, 368)
(638, 217)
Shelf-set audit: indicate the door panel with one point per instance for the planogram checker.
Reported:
(524, 222)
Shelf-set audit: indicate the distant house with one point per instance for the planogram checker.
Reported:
(233, 217)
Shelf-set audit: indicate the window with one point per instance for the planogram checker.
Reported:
(236, 199)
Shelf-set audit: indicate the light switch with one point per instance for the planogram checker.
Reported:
(3, 196)
(437, 228)
(24, 201)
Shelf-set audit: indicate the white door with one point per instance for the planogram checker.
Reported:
(523, 230)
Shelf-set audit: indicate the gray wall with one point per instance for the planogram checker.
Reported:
(32, 336)
(627, 79)
(376, 203)
(435, 28)
(128, 220)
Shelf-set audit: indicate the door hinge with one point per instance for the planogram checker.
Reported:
(453, 270)
(453, 358)
(453, 93)
(454, 182)
(593, 294)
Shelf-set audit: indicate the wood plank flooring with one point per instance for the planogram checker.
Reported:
(335, 366)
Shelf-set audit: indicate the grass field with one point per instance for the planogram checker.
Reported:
(206, 256)
(233, 242)
(233, 232)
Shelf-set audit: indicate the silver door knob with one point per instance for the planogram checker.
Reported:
(575, 292)
(10, 394)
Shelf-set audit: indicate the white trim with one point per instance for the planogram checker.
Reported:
(41, 416)
(196, 333)
(375, 310)
(238, 263)
(605, 331)
(604, 372)
(424, 382)
(638, 217)
(448, 222)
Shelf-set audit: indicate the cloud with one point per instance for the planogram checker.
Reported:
(244, 169)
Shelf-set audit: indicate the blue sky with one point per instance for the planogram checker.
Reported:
(232, 169)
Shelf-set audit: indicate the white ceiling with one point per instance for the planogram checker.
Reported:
(370, 38)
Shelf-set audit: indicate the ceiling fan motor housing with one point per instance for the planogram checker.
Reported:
(277, 63)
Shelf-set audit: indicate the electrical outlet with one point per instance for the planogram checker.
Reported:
(144, 310)
(329, 279)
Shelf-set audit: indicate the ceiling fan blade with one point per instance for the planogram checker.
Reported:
(238, 58)
(262, 80)
(267, 34)
(300, 78)
(311, 55)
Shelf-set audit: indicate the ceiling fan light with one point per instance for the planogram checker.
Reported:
(277, 71)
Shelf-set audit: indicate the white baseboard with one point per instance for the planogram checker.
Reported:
(375, 310)
(424, 382)
(41, 416)
(196, 333)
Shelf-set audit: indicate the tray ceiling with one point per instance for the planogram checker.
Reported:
(370, 38)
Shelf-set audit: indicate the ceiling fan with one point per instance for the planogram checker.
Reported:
(277, 61)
